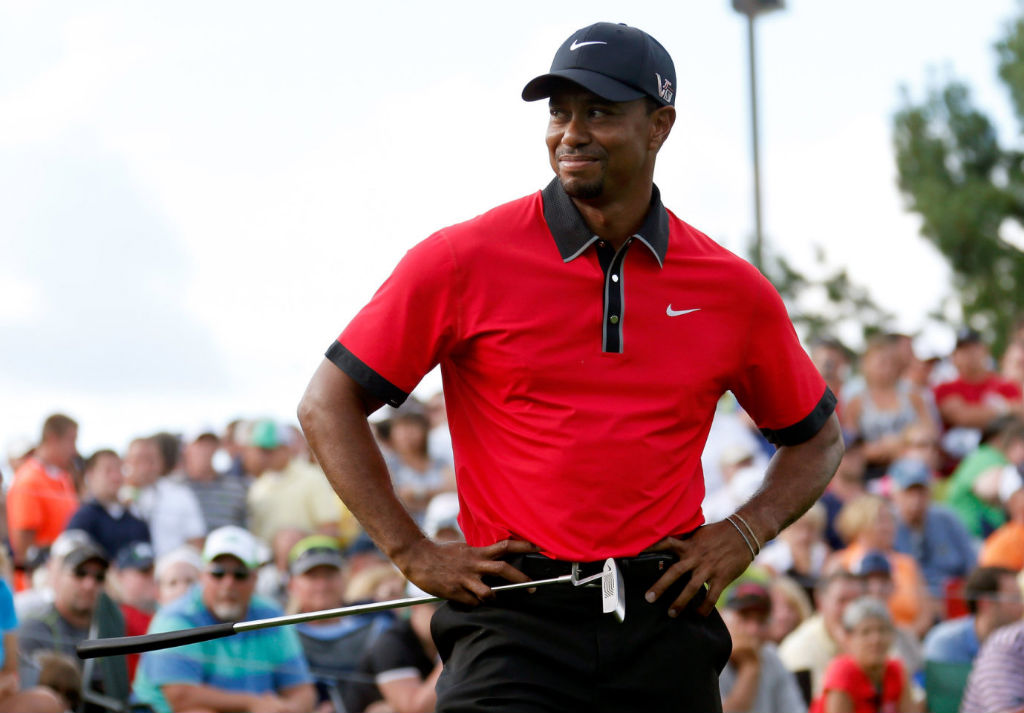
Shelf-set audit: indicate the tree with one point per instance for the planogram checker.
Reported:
(969, 191)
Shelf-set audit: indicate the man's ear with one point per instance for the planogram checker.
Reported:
(662, 120)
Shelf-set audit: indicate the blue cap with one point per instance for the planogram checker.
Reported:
(907, 472)
(614, 61)
(873, 562)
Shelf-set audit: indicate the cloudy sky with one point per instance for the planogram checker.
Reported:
(195, 197)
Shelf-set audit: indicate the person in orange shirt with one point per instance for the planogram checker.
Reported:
(1005, 546)
(868, 523)
(42, 497)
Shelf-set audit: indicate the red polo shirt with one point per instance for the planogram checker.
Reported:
(581, 382)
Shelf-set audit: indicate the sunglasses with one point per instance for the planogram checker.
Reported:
(99, 575)
(219, 573)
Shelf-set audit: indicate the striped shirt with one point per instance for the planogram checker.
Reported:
(997, 680)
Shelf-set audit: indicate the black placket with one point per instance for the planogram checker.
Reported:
(614, 294)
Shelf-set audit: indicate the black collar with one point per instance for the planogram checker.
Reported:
(572, 236)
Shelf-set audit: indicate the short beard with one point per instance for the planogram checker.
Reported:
(228, 612)
(583, 191)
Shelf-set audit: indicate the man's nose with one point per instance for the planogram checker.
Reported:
(576, 132)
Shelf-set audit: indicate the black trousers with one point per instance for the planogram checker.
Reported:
(554, 650)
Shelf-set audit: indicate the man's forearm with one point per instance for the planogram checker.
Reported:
(333, 417)
(186, 697)
(795, 479)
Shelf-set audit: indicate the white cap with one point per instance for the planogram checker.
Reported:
(235, 541)
(1009, 483)
(441, 513)
(186, 553)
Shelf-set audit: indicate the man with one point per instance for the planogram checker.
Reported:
(993, 600)
(253, 671)
(287, 492)
(168, 507)
(810, 647)
(79, 611)
(134, 589)
(333, 647)
(755, 679)
(996, 683)
(221, 497)
(930, 533)
(102, 515)
(848, 484)
(43, 496)
(585, 335)
(970, 402)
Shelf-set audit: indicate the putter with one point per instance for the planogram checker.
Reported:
(120, 645)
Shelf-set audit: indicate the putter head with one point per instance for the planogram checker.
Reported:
(613, 590)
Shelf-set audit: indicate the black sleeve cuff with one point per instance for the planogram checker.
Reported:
(805, 429)
(366, 377)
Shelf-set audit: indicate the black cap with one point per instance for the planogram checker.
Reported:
(966, 335)
(615, 62)
(137, 555)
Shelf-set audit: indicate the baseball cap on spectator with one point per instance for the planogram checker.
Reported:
(749, 595)
(908, 472)
(19, 447)
(314, 551)
(614, 61)
(873, 562)
(235, 541)
(268, 434)
(186, 553)
(137, 555)
(442, 514)
(78, 551)
(966, 335)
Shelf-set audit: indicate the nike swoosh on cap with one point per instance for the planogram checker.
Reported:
(576, 45)
(676, 312)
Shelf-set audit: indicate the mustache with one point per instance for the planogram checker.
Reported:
(577, 154)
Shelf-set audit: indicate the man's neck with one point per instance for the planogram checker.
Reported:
(79, 621)
(619, 220)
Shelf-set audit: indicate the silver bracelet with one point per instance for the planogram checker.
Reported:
(750, 547)
(750, 530)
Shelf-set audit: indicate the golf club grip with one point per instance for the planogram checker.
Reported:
(119, 645)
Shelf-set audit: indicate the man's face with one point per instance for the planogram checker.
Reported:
(839, 593)
(137, 587)
(105, 479)
(318, 588)
(912, 503)
(747, 625)
(598, 148)
(142, 463)
(175, 581)
(198, 457)
(227, 587)
(1009, 607)
(76, 589)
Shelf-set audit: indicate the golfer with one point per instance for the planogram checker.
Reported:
(585, 334)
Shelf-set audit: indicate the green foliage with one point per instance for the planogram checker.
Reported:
(969, 190)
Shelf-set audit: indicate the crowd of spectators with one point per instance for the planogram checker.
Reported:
(901, 590)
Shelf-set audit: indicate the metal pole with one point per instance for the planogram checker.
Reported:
(758, 235)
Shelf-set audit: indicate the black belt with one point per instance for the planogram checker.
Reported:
(647, 567)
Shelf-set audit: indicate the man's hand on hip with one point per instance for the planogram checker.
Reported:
(715, 554)
(454, 570)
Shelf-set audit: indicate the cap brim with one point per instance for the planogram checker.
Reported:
(304, 564)
(544, 86)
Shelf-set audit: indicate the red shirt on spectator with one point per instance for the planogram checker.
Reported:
(844, 674)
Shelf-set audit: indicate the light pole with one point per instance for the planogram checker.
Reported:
(753, 8)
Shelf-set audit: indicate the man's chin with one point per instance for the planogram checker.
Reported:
(582, 190)
(228, 612)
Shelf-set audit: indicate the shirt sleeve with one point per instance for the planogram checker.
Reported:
(407, 326)
(8, 617)
(778, 384)
(24, 510)
(841, 675)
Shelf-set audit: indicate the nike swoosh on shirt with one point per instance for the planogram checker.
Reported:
(576, 45)
(676, 312)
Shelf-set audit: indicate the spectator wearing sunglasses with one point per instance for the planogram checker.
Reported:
(79, 610)
(252, 671)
